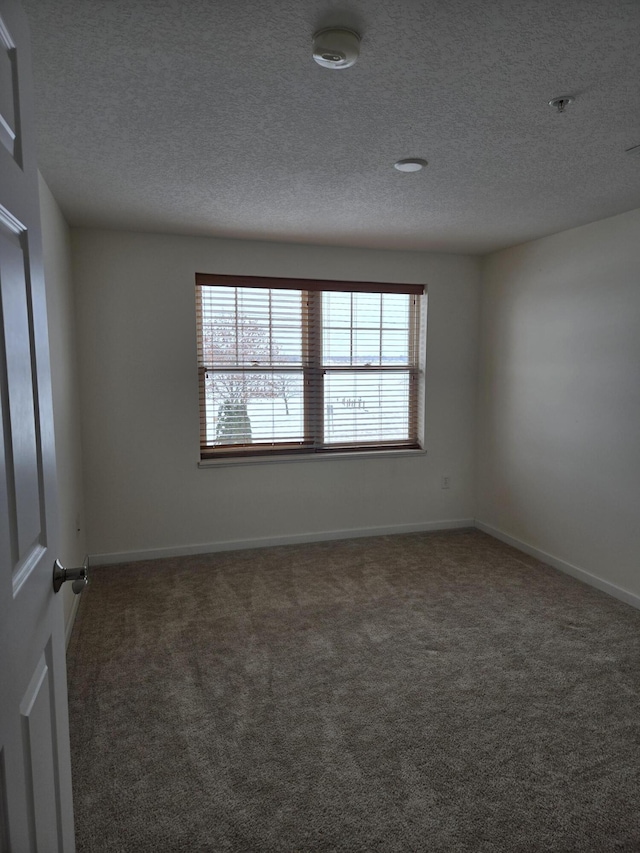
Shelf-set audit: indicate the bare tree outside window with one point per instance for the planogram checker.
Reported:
(285, 386)
(239, 340)
(233, 340)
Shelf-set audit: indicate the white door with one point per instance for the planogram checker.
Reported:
(35, 776)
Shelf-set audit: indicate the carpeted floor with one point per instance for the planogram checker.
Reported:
(427, 692)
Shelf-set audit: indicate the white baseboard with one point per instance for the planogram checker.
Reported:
(68, 628)
(357, 533)
(581, 574)
(267, 541)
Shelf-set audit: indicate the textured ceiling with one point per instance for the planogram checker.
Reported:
(197, 117)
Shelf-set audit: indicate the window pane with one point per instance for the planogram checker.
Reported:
(337, 347)
(362, 406)
(395, 310)
(251, 326)
(254, 408)
(336, 309)
(360, 344)
(366, 310)
(366, 346)
(395, 346)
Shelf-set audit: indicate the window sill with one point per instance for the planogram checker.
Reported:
(311, 457)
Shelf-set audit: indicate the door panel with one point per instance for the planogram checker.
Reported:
(37, 810)
(21, 456)
(4, 826)
(9, 93)
(37, 717)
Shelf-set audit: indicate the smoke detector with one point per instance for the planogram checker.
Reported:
(336, 48)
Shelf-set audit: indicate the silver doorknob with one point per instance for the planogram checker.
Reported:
(79, 576)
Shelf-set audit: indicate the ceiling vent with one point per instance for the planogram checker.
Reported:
(336, 48)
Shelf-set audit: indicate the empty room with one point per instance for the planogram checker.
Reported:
(320, 365)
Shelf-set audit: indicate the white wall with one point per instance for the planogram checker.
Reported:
(144, 491)
(65, 384)
(559, 399)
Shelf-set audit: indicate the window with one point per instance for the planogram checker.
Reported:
(297, 366)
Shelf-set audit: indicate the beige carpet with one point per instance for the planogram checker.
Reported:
(427, 692)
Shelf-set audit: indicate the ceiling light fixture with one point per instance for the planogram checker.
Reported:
(336, 48)
(561, 103)
(412, 164)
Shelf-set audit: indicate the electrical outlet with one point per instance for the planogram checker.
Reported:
(445, 483)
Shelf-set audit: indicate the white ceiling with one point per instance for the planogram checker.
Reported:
(211, 118)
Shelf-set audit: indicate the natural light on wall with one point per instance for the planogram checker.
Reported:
(321, 369)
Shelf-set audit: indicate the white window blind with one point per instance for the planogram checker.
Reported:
(299, 366)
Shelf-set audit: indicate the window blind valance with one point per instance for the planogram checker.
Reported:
(215, 279)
